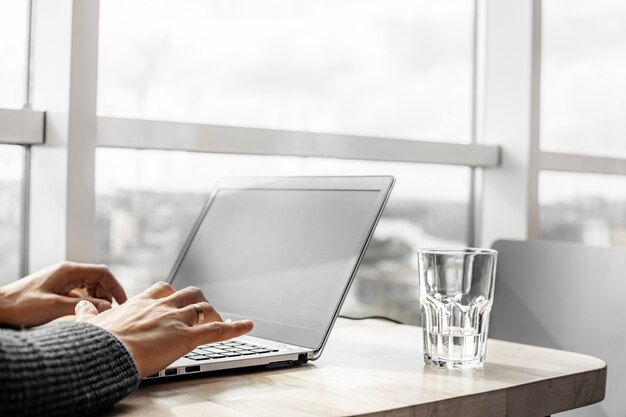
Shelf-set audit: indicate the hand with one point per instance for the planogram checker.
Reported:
(54, 291)
(160, 325)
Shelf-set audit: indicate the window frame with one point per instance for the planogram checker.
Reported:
(149, 134)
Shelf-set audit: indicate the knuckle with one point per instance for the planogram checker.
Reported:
(194, 293)
(194, 290)
(65, 265)
(163, 284)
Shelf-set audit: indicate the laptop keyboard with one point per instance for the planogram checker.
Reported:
(228, 349)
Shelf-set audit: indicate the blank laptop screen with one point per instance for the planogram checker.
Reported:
(281, 257)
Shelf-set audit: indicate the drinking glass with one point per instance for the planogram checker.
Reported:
(456, 294)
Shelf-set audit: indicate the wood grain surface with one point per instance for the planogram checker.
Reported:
(375, 368)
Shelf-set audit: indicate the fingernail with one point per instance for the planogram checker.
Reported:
(82, 304)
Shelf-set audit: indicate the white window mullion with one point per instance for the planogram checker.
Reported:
(64, 68)
(509, 116)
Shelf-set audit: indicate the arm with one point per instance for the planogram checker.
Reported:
(74, 368)
(63, 369)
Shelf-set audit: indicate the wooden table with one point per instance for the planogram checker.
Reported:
(375, 368)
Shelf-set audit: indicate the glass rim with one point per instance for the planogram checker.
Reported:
(457, 251)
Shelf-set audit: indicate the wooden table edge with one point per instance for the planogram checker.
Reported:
(534, 399)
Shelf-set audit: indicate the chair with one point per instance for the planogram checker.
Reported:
(569, 297)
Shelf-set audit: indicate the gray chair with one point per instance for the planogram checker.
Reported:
(569, 297)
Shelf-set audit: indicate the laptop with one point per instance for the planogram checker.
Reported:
(283, 253)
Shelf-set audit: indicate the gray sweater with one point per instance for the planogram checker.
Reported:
(63, 369)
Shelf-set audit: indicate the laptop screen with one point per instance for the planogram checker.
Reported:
(282, 257)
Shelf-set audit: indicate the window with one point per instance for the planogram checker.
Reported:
(583, 102)
(400, 68)
(585, 208)
(328, 66)
(147, 202)
(583, 99)
(11, 183)
(13, 50)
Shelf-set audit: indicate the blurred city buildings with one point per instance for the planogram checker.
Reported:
(140, 233)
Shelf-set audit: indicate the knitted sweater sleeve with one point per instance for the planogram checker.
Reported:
(63, 369)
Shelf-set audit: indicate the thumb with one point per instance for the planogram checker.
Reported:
(85, 310)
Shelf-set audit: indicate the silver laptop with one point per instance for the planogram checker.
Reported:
(283, 253)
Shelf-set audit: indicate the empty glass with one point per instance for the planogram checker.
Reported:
(456, 294)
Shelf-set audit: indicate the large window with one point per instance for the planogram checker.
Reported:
(11, 183)
(585, 208)
(583, 103)
(147, 202)
(583, 100)
(390, 68)
(13, 52)
(13, 75)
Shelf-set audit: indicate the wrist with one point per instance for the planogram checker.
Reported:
(8, 303)
(124, 345)
(4, 305)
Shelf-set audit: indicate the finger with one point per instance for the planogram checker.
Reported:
(100, 276)
(186, 296)
(101, 304)
(87, 291)
(191, 315)
(102, 293)
(83, 293)
(159, 290)
(76, 275)
(85, 310)
(67, 305)
(77, 293)
(218, 331)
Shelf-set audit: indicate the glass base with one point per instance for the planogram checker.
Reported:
(452, 364)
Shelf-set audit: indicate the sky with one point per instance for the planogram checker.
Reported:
(13, 20)
(583, 77)
(398, 68)
(11, 163)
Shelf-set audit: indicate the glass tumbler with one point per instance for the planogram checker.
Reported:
(456, 295)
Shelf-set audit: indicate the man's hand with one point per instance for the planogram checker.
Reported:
(54, 291)
(160, 325)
